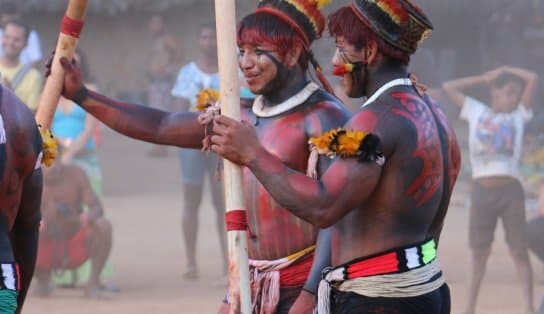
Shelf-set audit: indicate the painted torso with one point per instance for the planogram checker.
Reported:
(68, 192)
(415, 185)
(19, 148)
(20, 144)
(276, 232)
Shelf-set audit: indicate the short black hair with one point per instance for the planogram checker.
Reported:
(506, 78)
(22, 25)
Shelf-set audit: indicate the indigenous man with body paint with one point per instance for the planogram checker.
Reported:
(20, 198)
(387, 191)
(274, 44)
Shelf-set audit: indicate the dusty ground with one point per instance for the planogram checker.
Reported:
(143, 199)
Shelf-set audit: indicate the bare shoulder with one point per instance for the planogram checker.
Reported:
(324, 112)
(323, 102)
(20, 128)
(20, 119)
(399, 119)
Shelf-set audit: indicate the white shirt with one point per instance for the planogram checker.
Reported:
(191, 80)
(495, 138)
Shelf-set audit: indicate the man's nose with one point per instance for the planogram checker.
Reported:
(246, 61)
(337, 58)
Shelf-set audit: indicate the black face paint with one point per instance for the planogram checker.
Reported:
(355, 73)
(282, 74)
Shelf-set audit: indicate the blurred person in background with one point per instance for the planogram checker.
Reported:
(76, 133)
(20, 197)
(532, 163)
(163, 64)
(71, 236)
(25, 81)
(32, 52)
(535, 229)
(75, 130)
(495, 143)
(196, 165)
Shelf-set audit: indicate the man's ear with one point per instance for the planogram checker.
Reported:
(293, 56)
(371, 52)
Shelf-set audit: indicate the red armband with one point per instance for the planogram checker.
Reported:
(236, 220)
(71, 27)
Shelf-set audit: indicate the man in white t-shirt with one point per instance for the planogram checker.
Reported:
(495, 144)
(32, 53)
(196, 165)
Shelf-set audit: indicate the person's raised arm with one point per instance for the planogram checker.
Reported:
(455, 88)
(531, 81)
(345, 185)
(135, 121)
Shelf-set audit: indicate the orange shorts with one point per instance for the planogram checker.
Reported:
(64, 254)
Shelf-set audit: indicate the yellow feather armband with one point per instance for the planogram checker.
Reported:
(206, 98)
(348, 143)
(321, 3)
(49, 146)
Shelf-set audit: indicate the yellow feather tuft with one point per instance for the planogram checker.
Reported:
(322, 3)
(206, 98)
(49, 146)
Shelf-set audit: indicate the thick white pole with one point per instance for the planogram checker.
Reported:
(66, 45)
(239, 290)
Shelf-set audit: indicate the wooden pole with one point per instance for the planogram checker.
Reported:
(66, 46)
(239, 291)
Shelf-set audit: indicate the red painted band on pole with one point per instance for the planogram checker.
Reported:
(236, 220)
(71, 27)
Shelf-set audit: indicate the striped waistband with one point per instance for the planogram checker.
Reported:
(405, 272)
(391, 262)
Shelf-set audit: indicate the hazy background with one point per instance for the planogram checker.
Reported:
(142, 197)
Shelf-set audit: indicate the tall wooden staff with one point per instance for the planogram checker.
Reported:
(70, 29)
(239, 291)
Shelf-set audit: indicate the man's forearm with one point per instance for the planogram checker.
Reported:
(462, 83)
(145, 123)
(302, 196)
(526, 75)
(322, 259)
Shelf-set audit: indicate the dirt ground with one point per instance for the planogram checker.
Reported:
(142, 199)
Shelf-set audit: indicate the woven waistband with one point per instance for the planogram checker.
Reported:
(390, 262)
(413, 283)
